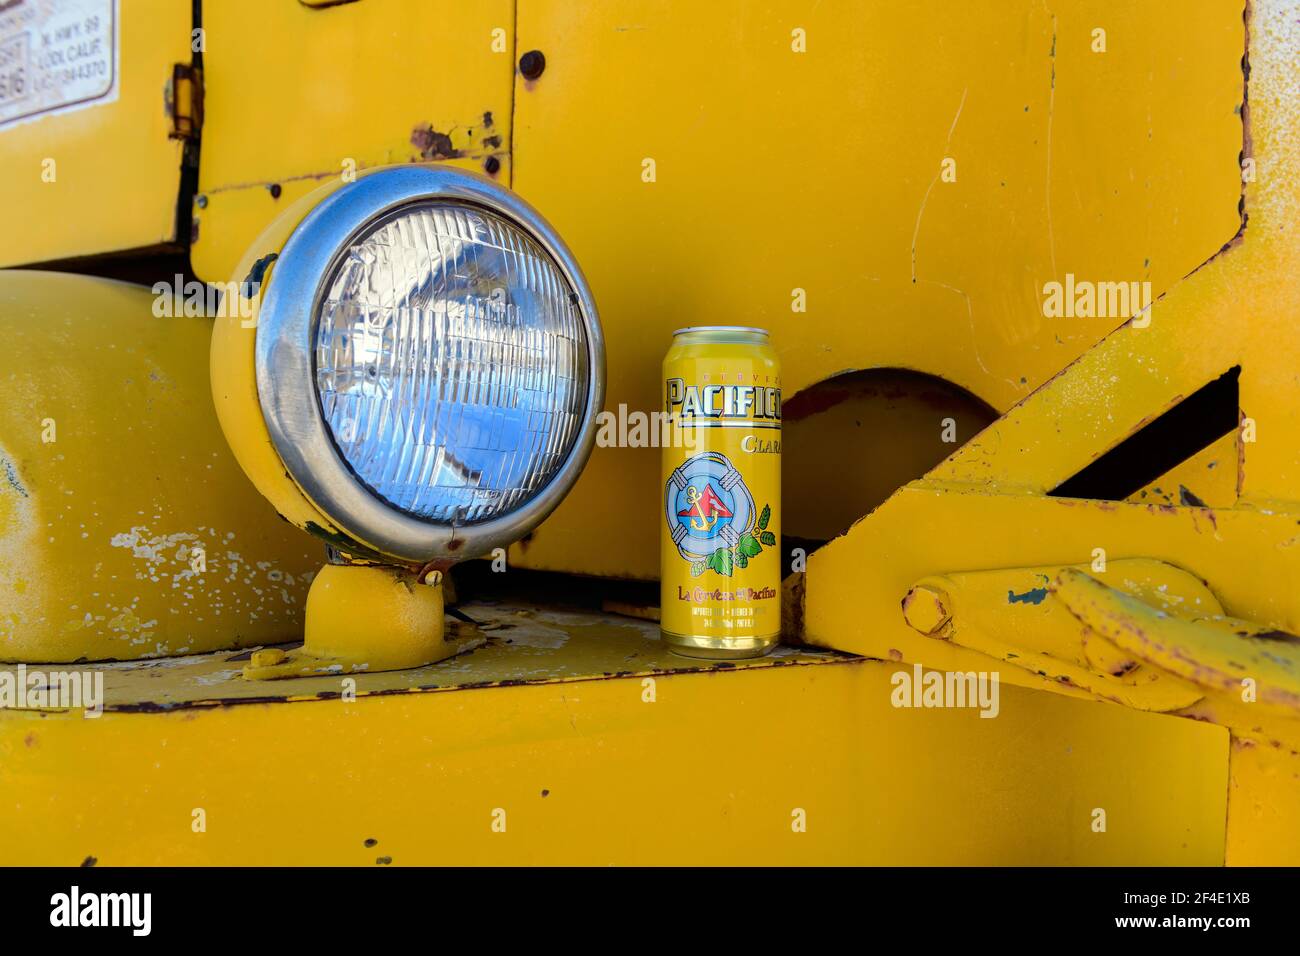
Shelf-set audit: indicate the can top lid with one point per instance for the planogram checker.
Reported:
(721, 328)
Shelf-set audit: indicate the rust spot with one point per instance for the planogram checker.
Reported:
(1284, 637)
(89, 861)
(371, 841)
(433, 144)
(383, 860)
(29, 740)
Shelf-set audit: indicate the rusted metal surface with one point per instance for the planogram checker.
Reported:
(1011, 615)
(1213, 651)
(581, 729)
(369, 84)
(520, 644)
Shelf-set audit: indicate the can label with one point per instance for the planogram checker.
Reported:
(721, 570)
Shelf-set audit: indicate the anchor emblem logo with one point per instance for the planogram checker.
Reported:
(705, 508)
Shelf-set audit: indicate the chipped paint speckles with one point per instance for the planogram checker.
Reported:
(119, 470)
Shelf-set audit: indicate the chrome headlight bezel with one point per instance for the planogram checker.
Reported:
(284, 362)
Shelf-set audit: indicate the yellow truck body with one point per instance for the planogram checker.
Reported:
(897, 191)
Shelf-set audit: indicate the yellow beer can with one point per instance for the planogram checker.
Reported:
(720, 561)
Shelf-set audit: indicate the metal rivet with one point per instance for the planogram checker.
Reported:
(492, 165)
(531, 64)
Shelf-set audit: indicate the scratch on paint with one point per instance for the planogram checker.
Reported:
(970, 317)
(1051, 111)
(926, 198)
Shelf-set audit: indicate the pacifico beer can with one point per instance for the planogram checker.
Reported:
(720, 561)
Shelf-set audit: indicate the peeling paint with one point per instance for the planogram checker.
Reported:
(1032, 596)
(433, 144)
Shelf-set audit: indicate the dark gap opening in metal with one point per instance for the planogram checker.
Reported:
(1196, 422)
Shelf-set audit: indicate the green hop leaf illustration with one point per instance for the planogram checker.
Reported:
(697, 568)
(765, 517)
(768, 538)
(740, 560)
(748, 546)
(720, 561)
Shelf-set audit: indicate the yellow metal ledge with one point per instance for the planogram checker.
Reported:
(575, 738)
(525, 645)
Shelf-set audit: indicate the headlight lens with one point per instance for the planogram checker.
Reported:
(451, 362)
(428, 362)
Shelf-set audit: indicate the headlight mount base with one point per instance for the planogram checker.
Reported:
(363, 619)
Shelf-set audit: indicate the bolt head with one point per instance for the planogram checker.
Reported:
(531, 64)
(926, 609)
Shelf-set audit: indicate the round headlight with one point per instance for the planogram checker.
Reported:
(429, 364)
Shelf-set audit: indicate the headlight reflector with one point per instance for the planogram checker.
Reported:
(428, 364)
(451, 362)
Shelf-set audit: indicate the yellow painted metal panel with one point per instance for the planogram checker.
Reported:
(930, 528)
(297, 95)
(580, 767)
(1263, 805)
(114, 474)
(1209, 476)
(862, 576)
(776, 170)
(116, 172)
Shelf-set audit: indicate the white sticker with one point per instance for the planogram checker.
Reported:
(56, 56)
